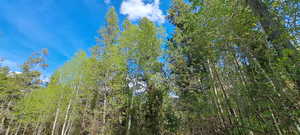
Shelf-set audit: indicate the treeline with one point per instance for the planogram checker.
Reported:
(230, 67)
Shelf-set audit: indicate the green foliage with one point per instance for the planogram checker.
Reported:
(234, 69)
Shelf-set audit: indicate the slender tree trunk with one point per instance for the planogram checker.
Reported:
(24, 131)
(276, 124)
(130, 115)
(104, 114)
(55, 121)
(18, 128)
(36, 128)
(231, 110)
(9, 127)
(218, 103)
(83, 124)
(3, 119)
(66, 118)
(243, 80)
(7, 130)
(40, 129)
(94, 123)
(2, 127)
(67, 126)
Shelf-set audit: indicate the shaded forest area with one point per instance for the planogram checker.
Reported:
(231, 67)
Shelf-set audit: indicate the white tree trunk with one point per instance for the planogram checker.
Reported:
(68, 126)
(55, 121)
(25, 129)
(18, 128)
(66, 118)
(7, 131)
(104, 115)
(129, 119)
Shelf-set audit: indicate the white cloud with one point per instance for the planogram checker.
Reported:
(137, 9)
(107, 1)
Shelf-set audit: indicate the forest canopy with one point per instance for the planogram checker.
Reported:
(231, 67)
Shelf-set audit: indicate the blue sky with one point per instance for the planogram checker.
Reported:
(63, 26)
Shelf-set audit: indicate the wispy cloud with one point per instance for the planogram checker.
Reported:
(42, 24)
(29, 25)
(137, 9)
(107, 1)
(32, 24)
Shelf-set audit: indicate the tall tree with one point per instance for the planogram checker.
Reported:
(278, 35)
